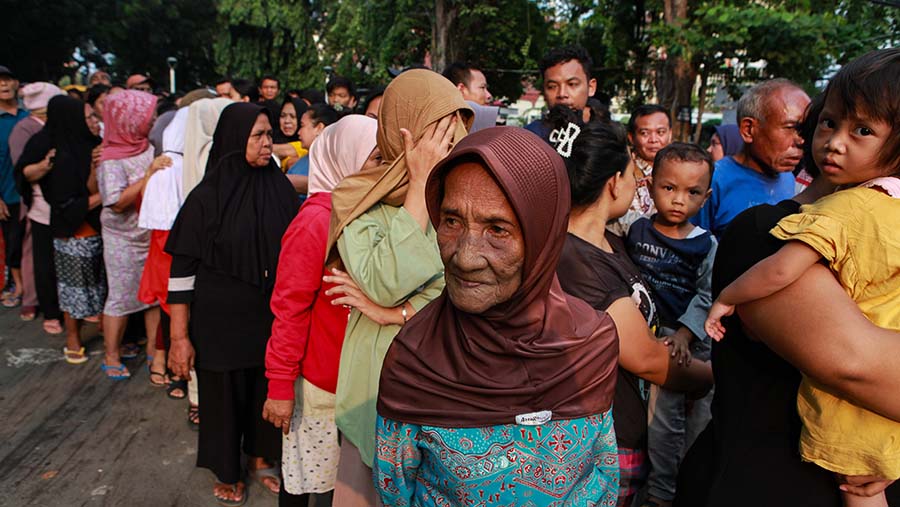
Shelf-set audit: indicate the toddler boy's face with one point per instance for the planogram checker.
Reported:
(679, 189)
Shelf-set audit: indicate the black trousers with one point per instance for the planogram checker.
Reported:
(44, 270)
(232, 421)
(13, 234)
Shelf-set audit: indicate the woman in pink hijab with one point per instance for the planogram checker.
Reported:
(126, 156)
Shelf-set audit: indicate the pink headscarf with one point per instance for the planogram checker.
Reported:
(340, 150)
(127, 119)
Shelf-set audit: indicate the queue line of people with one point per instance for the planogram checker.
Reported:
(461, 315)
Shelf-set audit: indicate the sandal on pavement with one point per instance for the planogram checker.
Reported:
(12, 301)
(175, 385)
(119, 372)
(75, 356)
(52, 326)
(261, 474)
(129, 351)
(28, 313)
(194, 417)
(229, 502)
(162, 381)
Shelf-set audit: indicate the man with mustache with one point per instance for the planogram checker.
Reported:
(769, 115)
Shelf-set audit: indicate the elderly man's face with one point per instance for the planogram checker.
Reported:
(773, 144)
(480, 240)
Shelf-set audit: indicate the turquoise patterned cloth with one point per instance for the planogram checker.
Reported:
(561, 463)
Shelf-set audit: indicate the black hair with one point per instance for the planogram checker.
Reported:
(683, 152)
(599, 110)
(246, 88)
(223, 80)
(270, 77)
(807, 130)
(564, 54)
(312, 96)
(95, 91)
(340, 82)
(374, 93)
(165, 105)
(599, 152)
(869, 86)
(295, 93)
(646, 110)
(458, 72)
(322, 113)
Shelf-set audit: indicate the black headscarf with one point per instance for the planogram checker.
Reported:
(280, 137)
(65, 186)
(234, 219)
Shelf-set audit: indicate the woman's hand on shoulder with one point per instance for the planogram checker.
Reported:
(349, 294)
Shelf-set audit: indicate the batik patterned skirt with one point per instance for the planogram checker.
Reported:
(80, 275)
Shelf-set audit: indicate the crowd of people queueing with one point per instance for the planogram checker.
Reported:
(400, 303)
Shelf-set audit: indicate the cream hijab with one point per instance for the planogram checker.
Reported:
(414, 100)
(339, 151)
(202, 118)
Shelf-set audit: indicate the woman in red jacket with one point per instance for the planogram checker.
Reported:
(304, 351)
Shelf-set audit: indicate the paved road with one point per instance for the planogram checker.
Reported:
(70, 437)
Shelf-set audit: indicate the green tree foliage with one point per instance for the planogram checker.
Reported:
(257, 37)
(142, 34)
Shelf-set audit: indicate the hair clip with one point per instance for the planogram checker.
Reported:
(565, 137)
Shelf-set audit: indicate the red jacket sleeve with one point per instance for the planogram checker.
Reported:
(301, 266)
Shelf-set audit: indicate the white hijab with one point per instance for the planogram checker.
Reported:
(339, 151)
(202, 118)
(163, 196)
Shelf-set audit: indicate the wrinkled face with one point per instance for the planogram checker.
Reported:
(846, 146)
(679, 189)
(477, 90)
(288, 119)
(775, 144)
(8, 88)
(224, 90)
(652, 133)
(259, 144)
(91, 120)
(268, 90)
(372, 107)
(480, 240)
(341, 95)
(309, 129)
(567, 84)
(715, 148)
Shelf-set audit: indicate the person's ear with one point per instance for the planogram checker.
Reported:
(708, 193)
(747, 128)
(592, 87)
(352, 103)
(614, 185)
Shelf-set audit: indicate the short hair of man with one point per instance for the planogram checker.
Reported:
(458, 72)
(564, 54)
(340, 82)
(246, 88)
(312, 96)
(683, 152)
(95, 91)
(269, 77)
(754, 102)
(645, 110)
(223, 80)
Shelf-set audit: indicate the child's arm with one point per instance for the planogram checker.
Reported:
(767, 277)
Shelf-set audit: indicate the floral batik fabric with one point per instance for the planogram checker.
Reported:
(560, 463)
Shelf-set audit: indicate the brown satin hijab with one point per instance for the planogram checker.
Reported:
(540, 350)
(414, 100)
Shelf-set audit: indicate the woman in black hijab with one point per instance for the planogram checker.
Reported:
(225, 245)
(69, 185)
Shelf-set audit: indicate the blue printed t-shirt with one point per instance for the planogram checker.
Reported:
(8, 192)
(301, 168)
(736, 187)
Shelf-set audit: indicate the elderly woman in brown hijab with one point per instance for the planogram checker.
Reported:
(381, 233)
(500, 391)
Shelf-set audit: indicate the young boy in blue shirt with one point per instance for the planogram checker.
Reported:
(675, 258)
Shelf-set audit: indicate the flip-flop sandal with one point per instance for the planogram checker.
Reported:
(115, 372)
(175, 385)
(75, 356)
(53, 327)
(163, 380)
(193, 417)
(27, 313)
(12, 301)
(259, 475)
(232, 503)
(129, 351)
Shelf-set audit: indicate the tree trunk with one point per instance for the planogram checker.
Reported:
(701, 102)
(445, 14)
(683, 74)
